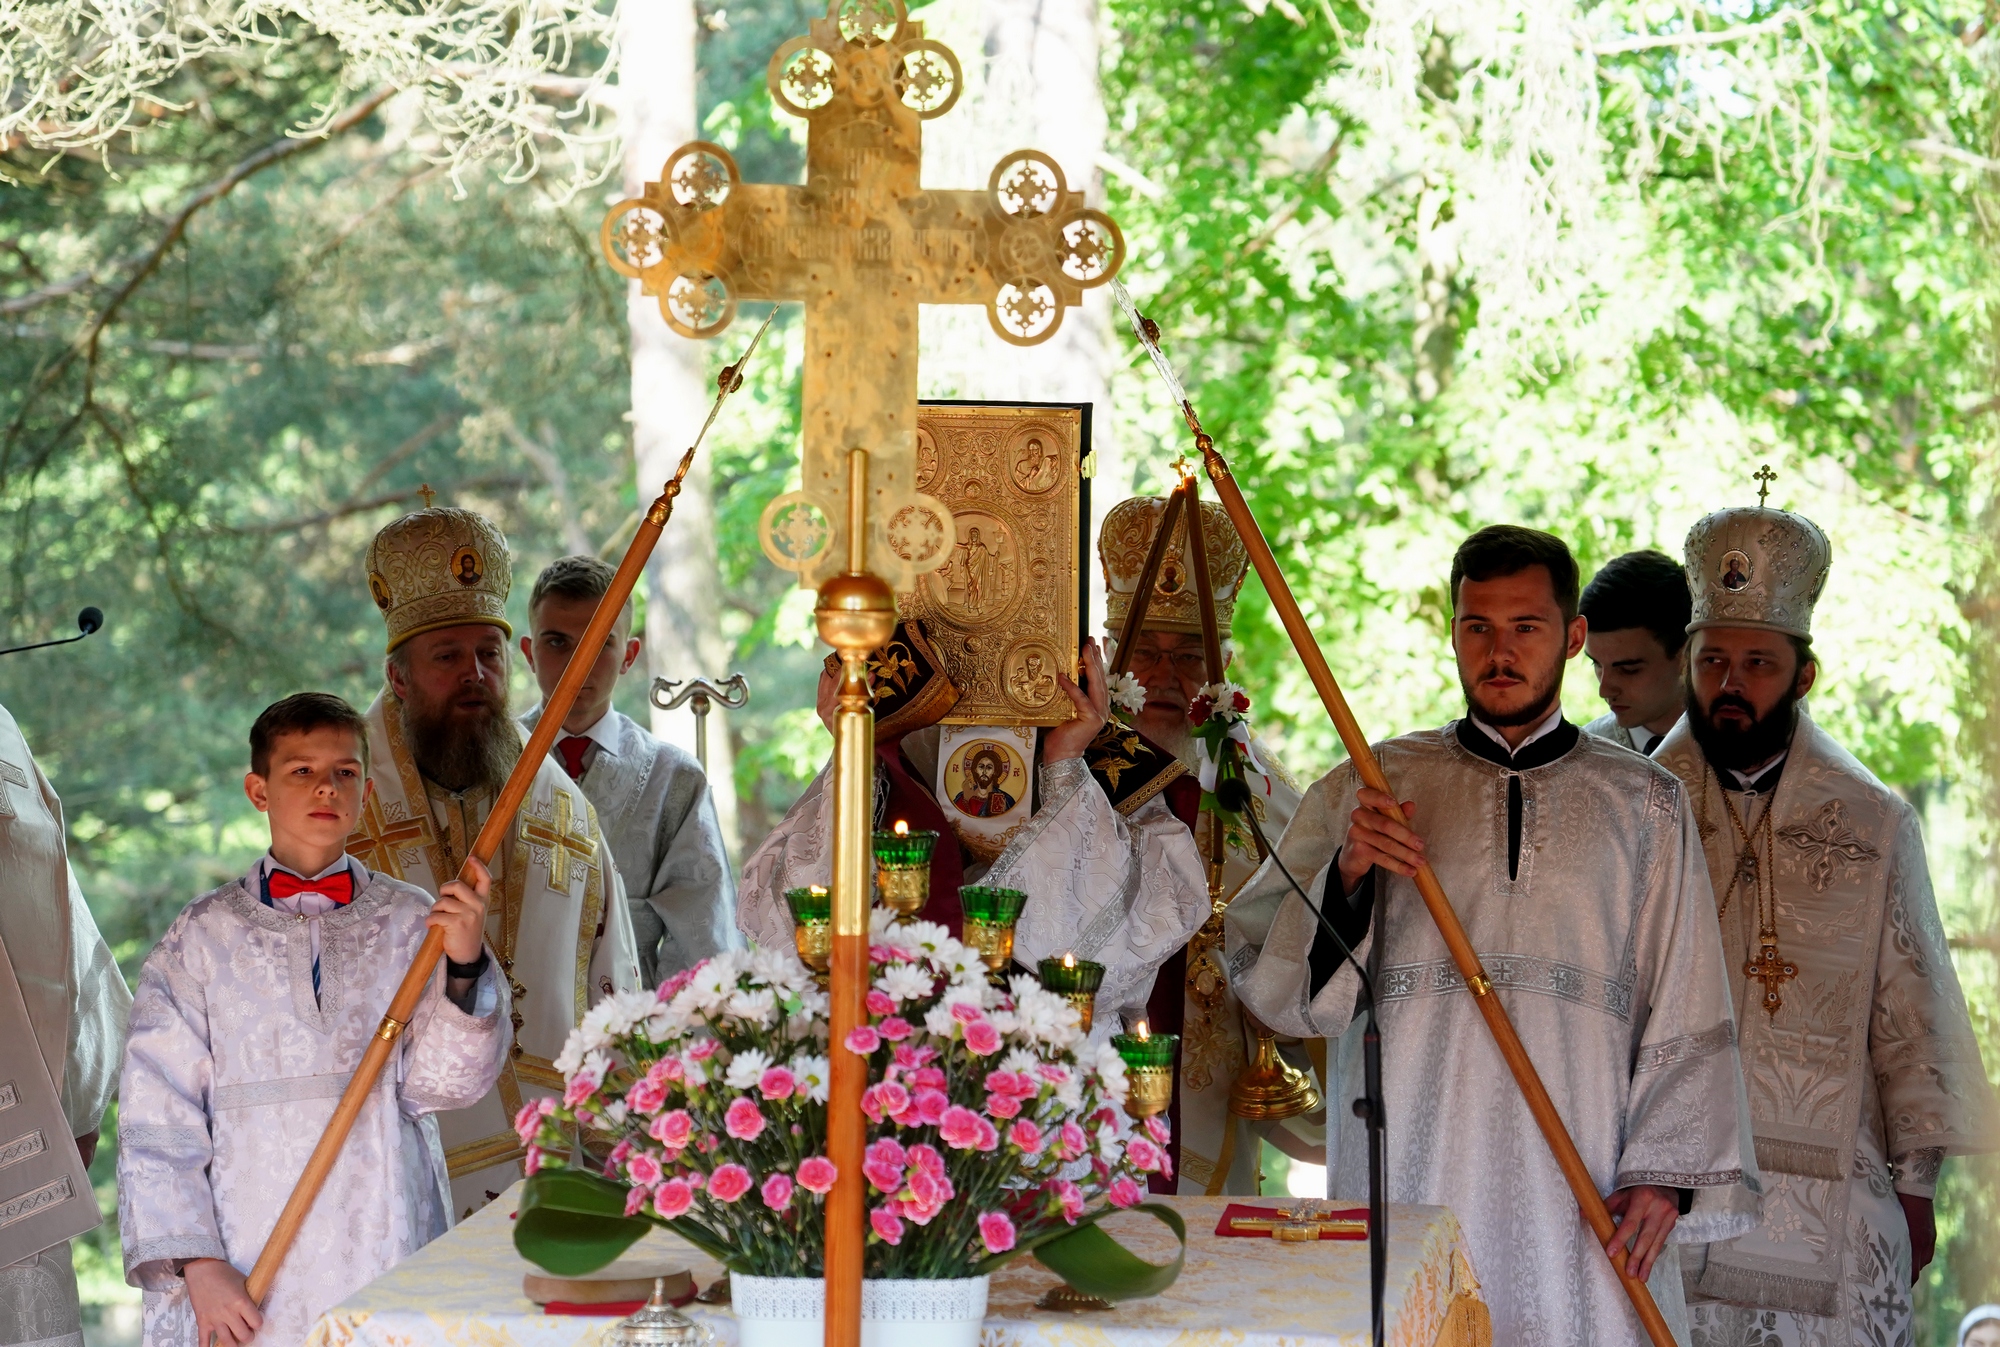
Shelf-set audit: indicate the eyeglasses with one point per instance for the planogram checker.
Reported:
(1186, 663)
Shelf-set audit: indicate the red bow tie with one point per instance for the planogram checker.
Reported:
(338, 887)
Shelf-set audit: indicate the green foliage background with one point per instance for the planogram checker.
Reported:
(339, 330)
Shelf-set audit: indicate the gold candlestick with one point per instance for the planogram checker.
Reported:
(1149, 1069)
(903, 869)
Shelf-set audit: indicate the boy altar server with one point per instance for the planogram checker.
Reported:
(1577, 871)
(652, 799)
(250, 1016)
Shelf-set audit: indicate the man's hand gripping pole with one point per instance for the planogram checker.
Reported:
(1463, 956)
(404, 1004)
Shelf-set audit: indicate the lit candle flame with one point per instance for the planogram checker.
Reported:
(817, 891)
(1069, 959)
(1142, 1035)
(902, 828)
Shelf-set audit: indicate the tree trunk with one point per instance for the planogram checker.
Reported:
(670, 396)
(1032, 82)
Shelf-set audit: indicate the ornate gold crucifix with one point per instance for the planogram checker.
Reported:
(862, 243)
(1772, 969)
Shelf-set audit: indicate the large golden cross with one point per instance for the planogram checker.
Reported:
(378, 841)
(564, 846)
(863, 242)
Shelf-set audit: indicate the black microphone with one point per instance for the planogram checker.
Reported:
(88, 621)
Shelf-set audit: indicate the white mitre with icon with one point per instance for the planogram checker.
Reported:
(1757, 567)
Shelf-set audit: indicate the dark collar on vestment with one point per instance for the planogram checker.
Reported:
(1540, 753)
(1763, 783)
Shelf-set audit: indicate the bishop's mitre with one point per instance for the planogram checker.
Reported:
(440, 568)
(1755, 567)
(1122, 546)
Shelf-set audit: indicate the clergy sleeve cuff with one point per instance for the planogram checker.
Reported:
(1348, 915)
(1916, 1172)
(455, 969)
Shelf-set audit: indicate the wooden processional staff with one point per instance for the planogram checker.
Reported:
(1463, 956)
(498, 822)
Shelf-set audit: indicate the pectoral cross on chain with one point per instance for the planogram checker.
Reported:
(1773, 970)
(863, 243)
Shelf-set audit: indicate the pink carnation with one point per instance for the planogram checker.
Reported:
(1003, 1106)
(703, 1049)
(581, 1086)
(728, 1182)
(817, 1174)
(887, 1224)
(673, 1199)
(996, 1231)
(1157, 1129)
(1071, 1198)
(928, 1194)
(529, 1120)
(926, 1078)
(644, 1170)
(959, 1128)
(1054, 1073)
(1124, 1192)
(930, 1106)
(1073, 1142)
(1027, 1136)
(989, 1136)
(668, 1069)
(911, 1056)
(672, 1130)
(744, 1120)
(879, 1002)
(533, 1163)
(886, 1097)
(778, 1083)
(966, 1013)
(925, 1159)
(777, 1191)
(863, 1040)
(1014, 1084)
(883, 1166)
(634, 1200)
(894, 1029)
(672, 986)
(982, 1038)
(646, 1096)
(1144, 1155)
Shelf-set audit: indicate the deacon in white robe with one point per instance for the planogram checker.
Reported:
(1637, 606)
(235, 1064)
(1862, 1068)
(1576, 871)
(76, 1003)
(558, 919)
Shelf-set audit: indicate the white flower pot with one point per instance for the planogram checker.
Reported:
(788, 1311)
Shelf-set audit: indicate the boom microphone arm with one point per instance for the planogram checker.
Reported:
(87, 621)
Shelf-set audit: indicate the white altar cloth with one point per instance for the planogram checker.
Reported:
(465, 1291)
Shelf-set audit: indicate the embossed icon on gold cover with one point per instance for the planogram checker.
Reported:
(1005, 611)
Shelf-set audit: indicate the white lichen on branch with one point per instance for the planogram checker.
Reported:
(518, 82)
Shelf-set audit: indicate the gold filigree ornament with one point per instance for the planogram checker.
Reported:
(863, 243)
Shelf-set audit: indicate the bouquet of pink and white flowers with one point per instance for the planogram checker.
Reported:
(993, 1128)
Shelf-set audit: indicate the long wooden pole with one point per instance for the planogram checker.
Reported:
(498, 822)
(1149, 575)
(1462, 954)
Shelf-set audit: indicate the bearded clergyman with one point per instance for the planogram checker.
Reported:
(440, 746)
(1576, 869)
(1861, 1065)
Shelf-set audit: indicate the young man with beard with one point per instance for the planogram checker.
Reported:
(1637, 607)
(652, 798)
(1577, 872)
(1861, 1065)
(441, 745)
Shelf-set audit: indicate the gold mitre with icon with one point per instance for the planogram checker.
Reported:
(1123, 544)
(440, 567)
(1757, 567)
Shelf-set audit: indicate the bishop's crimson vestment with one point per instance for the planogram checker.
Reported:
(1866, 1075)
(1576, 870)
(557, 919)
(237, 1058)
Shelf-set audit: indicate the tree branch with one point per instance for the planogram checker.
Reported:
(1313, 177)
(1945, 150)
(354, 507)
(1711, 38)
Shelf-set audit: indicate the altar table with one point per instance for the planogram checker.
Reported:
(465, 1289)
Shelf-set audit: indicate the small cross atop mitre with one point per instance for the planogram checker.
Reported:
(862, 243)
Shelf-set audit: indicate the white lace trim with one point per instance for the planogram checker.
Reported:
(899, 1300)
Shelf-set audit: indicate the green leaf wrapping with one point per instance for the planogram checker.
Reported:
(573, 1223)
(1098, 1265)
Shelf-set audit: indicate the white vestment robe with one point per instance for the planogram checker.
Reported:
(557, 919)
(656, 810)
(1124, 891)
(232, 1072)
(76, 1003)
(1600, 943)
(1867, 1074)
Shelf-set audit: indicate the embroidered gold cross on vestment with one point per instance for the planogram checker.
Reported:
(379, 840)
(565, 846)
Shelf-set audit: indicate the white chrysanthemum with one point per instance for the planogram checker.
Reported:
(1045, 1017)
(939, 1021)
(756, 1006)
(746, 1069)
(1109, 1068)
(1069, 1093)
(968, 993)
(813, 1073)
(775, 967)
(1020, 1061)
(614, 1112)
(665, 1024)
(572, 1052)
(905, 981)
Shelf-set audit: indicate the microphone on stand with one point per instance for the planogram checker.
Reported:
(89, 620)
(1232, 792)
